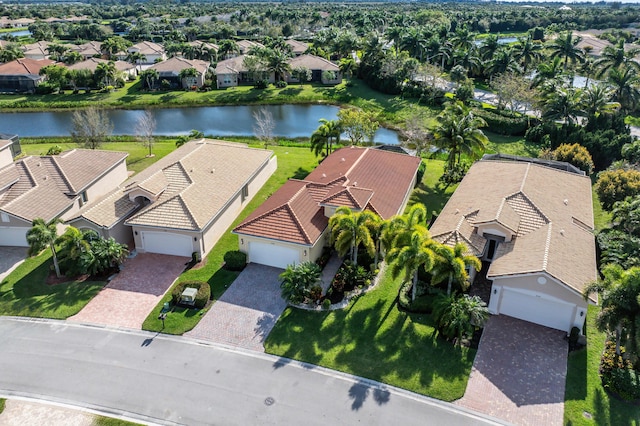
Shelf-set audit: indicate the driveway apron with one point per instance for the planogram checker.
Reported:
(519, 373)
(127, 300)
(10, 258)
(246, 312)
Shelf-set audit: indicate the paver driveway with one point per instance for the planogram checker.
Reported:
(127, 300)
(519, 373)
(246, 312)
(10, 258)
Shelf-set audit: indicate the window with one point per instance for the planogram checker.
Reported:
(4, 217)
(245, 192)
(83, 196)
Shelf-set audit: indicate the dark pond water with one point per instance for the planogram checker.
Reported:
(291, 121)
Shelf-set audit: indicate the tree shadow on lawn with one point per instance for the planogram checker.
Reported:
(433, 198)
(300, 173)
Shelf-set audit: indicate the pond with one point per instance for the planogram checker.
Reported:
(291, 121)
(16, 33)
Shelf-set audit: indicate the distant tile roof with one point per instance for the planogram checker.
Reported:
(48, 185)
(297, 47)
(355, 177)
(549, 210)
(194, 183)
(88, 49)
(231, 66)
(147, 48)
(38, 48)
(246, 45)
(176, 64)
(210, 46)
(313, 63)
(92, 63)
(24, 66)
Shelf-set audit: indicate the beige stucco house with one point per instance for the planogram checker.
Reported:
(183, 203)
(50, 187)
(153, 52)
(532, 225)
(170, 70)
(125, 69)
(291, 226)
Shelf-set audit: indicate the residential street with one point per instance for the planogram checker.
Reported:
(172, 380)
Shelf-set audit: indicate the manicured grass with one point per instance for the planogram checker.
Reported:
(136, 161)
(373, 339)
(584, 394)
(110, 421)
(430, 192)
(512, 145)
(601, 217)
(25, 293)
(2, 404)
(292, 162)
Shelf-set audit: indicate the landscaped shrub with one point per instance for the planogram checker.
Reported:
(261, 84)
(326, 304)
(202, 297)
(315, 293)
(617, 373)
(54, 150)
(324, 257)
(504, 122)
(350, 276)
(298, 282)
(235, 260)
(281, 84)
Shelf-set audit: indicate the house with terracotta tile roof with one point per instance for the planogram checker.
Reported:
(54, 186)
(532, 225)
(22, 75)
(291, 226)
(185, 201)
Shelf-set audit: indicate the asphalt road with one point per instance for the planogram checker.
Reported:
(172, 380)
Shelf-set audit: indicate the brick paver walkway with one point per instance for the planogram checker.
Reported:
(519, 373)
(127, 300)
(246, 312)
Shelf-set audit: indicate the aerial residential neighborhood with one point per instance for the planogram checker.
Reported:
(261, 213)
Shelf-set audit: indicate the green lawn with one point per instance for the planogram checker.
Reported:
(512, 145)
(584, 394)
(292, 162)
(25, 293)
(429, 192)
(373, 339)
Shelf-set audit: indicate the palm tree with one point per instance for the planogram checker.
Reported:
(489, 46)
(547, 71)
(400, 228)
(463, 39)
(57, 51)
(625, 82)
(504, 61)
(349, 230)
(562, 104)
(136, 58)
(458, 317)
(193, 134)
(451, 265)
(149, 76)
(72, 58)
(566, 46)
(42, 235)
(458, 132)
(277, 62)
(619, 297)
(106, 72)
(188, 76)
(527, 51)
(11, 53)
(395, 34)
(76, 255)
(616, 56)
(596, 100)
(228, 47)
(108, 253)
(325, 136)
(411, 257)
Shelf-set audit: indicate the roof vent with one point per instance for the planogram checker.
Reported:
(457, 211)
(342, 160)
(191, 170)
(213, 170)
(45, 177)
(562, 232)
(355, 183)
(566, 202)
(324, 175)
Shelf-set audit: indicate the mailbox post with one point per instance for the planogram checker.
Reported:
(162, 317)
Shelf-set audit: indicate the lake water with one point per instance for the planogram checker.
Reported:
(291, 121)
(17, 33)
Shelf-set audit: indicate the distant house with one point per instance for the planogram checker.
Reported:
(170, 70)
(244, 46)
(88, 50)
(532, 225)
(211, 47)
(153, 52)
(50, 187)
(9, 148)
(37, 50)
(291, 226)
(184, 202)
(22, 75)
(232, 72)
(125, 68)
(322, 70)
(297, 47)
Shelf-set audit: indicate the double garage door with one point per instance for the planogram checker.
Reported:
(273, 255)
(13, 236)
(533, 307)
(167, 243)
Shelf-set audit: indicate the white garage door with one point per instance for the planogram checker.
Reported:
(167, 243)
(13, 236)
(531, 307)
(272, 255)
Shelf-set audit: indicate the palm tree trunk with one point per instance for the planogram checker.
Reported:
(355, 255)
(449, 285)
(414, 287)
(55, 261)
(618, 337)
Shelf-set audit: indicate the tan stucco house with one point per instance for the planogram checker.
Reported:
(50, 187)
(185, 201)
(291, 226)
(153, 52)
(532, 224)
(170, 70)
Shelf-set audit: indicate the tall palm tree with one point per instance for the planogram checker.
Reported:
(277, 62)
(349, 230)
(418, 253)
(42, 235)
(616, 56)
(619, 297)
(625, 81)
(325, 137)
(11, 52)
(401, 227)
(463, 39)
(563, 104)
(504, 61)
(57, 51)
(596, 100)
(489, 46)
(75, 252)
(136, 58)
(458, 132)
(106, 72)
(395, 34)
(149, 76)
(527, 51)
(547, 71)
(188, 76)
(72, 57)
(228, 47)
(566, 46)
(450, 265)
